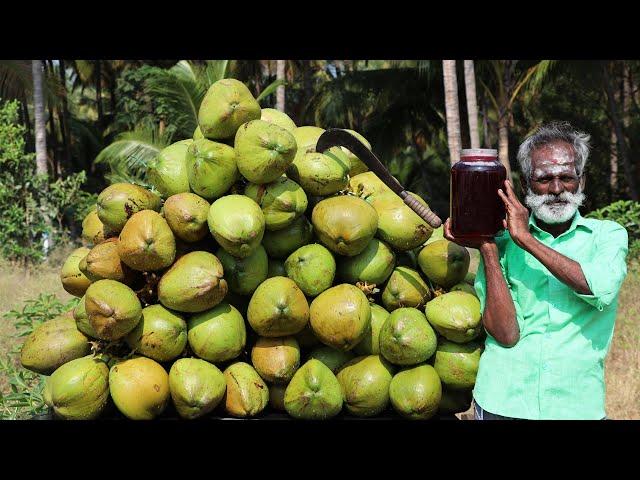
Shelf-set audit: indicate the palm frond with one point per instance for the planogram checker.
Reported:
(129, 156)
(542, 71)
(180, 89)
(15, 79)
(271, 88)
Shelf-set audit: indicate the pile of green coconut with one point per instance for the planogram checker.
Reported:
(255, 276)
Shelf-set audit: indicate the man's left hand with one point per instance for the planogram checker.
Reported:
(517, 221)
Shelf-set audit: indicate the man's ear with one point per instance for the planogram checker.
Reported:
(583, 181)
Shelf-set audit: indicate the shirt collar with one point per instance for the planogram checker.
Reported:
(578, 220)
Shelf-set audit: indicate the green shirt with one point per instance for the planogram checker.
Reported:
(556, 370)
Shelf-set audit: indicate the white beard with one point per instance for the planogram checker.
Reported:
(551, 209)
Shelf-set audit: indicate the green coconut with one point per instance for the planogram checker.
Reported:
(406, 338)
(264, 151)
(398, 225)
(276, 359)
(103, 262)
(197, 134)
(438, 234)
(332, 358)
(357, 166)
(113, 309)
(280, 244)
(279, 118)
(312, 267)
(455, 315)
(365, 382)
(340, 316)
(243, 275)
(186, 215)
(139, 388)
(415, 392)
(227, 104)
(463, 287)
(247, 394)
(211, 168)
(146, 242)
(82, 319)
(444, 262)
(456, 364)
(313, 393)
(282, 201)
(276, 269)
(79, 389)
(278, 308)
(370, 344)
(368, 186)
(217, 335)
(118, 202)
(307, 138)
(373, 265)
(73, 280)
(194, 283)
(160, 335)
(320, 174)
(345, 224)
(52, 344)
(237, 223)
(168, 171)
(405, 288)
(93, 230)
(196, 386)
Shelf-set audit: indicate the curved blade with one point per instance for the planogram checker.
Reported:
(335, 137)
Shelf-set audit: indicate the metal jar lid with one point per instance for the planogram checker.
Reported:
(479, 152)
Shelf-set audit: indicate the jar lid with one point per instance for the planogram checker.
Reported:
(479, 152)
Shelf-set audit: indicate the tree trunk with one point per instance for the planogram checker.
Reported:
(613, 162)
(55, 157)
(64, 119)
(40, 127)
(485, 122)
(623, 151)
(24, 106)
(508, 67)
(503, 143)
(452, 109)
(99, 92)
(280, 66)
(472, 102)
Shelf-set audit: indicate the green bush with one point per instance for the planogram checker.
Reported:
(24, 399)
(627, 214)
(33, 209)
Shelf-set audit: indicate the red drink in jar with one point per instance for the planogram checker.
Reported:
(476, 208)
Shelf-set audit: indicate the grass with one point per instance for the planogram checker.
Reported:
(622, 370)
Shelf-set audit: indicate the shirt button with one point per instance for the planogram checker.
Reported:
(545, 367)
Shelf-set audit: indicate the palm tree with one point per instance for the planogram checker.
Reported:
(472, 102)
(40, 127)
(452, 109)
(510, 80)
(280, 66)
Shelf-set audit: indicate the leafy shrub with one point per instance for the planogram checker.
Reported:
(25, 398)
(33, 209)
(627, 214)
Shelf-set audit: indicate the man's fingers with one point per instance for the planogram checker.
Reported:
(505, 199)
(504, 224)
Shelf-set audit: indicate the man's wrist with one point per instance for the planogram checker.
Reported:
(488, 248)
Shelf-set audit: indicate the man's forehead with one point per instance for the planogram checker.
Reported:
(554, 157)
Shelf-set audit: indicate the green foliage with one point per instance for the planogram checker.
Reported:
(627, 214)
(32, 208)
(25, 398)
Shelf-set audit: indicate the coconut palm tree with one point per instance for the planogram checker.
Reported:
(40, 127)
(280, 67)
(452, 109)
(472, 102)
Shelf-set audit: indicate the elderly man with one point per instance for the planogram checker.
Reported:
(548, 288)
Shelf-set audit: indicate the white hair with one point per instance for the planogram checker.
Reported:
(549, 133)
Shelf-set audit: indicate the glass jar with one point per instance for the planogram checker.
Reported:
(476, 208)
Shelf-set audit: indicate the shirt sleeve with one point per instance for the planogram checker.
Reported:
(605, 272)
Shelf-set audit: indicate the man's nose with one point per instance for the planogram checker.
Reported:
(556, 187)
